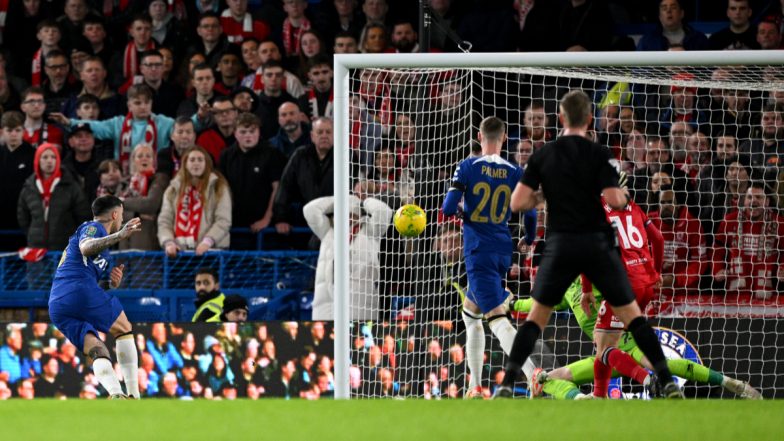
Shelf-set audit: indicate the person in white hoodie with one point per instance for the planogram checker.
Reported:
(370, 219)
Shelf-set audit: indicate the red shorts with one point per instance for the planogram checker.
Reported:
(608, 321)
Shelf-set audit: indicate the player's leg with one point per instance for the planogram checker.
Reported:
(607, 335)
(127, 356)
(556, 273)
(102, 364)
(485, 280)
(475, 346)
(607, 274)
(691, 371)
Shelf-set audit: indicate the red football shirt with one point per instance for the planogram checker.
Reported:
(630, 224)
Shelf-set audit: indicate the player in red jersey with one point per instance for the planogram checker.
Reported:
(638, 238)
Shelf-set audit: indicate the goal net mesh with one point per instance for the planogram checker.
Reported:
(700, 134)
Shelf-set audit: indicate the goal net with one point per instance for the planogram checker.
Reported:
(701, 137)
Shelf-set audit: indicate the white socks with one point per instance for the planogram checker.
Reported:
(104, 371)
(128, 358)
(475, 348)
(505, 332)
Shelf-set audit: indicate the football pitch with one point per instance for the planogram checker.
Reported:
(399, 420)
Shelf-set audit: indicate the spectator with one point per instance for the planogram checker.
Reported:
(148, 373)
(48, 384)
(312, 47)
(254, 169)
(36, 130)
(51, 204)
(585, 25)
(698, 156)
(293, 132)
(10, 359)
(170, 387)
(404, 38)
(94, 32)
(93, 77)
(271, 98)
(317, 100)
(124, 66)
(766, 148)
(749, 247)
(209, 298)
(110, 179)
(452, 278)
(375, 11)
(16, 164)
(58, 85)
(768, 35)
(238, 24)
(740, 34)
(268, 51)
(199, 199)
(250, 55)
(373, 39)
(5, 391)
(49, 35)
(203, 81)
(139, 126)
(183, 137)
(283, 384)
(230, 68)
(219, 374)
(235, 309)
(349, 19)
(143, 199)
(712, 182)
(367, 231)
(167, 30)
(535, 124)
(82, 161)
(185, 75)
(221, 135)
(168, 63)
(680, 131)
(345, 42)
(245, 100)
(9, 94)
(211, 40)
(71, 22)
(21, 22)
(685, 257)
(163, 352)
(188, 348)
(307, 176)
(165, 96)
(26, 390)
(672, 31)
(683, 105)
(293, 26)
(633, 151)
(365, 132)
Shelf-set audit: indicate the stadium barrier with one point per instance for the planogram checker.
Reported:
(178, 360)
(277, 284)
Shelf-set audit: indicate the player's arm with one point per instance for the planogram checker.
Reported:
(529, 224)
(656, 240)
(524, 198)
(455, 193)
(615, 197)
(92, 246)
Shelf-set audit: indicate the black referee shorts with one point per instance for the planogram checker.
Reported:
(567, 255)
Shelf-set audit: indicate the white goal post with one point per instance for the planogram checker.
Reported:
(649, 68)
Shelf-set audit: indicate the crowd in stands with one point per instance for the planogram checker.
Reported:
(185, 361)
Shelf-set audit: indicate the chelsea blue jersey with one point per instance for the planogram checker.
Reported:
(486, 183)
(74, 268)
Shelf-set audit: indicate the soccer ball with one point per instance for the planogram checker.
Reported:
(410, 220)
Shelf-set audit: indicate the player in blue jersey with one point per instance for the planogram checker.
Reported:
(485, 184)
(80, 308)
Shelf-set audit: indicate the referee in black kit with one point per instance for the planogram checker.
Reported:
(574, 173)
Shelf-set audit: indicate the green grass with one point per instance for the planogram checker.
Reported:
(152, 420)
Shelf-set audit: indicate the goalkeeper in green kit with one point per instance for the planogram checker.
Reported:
(563, 383)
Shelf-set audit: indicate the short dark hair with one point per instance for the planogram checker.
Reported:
(34, 90)
(208, 14)
(142, 16)
(182, 119)
(270, 64)
(576, 108)
(207, 270)
(54, 53)
(222, 99)
(105, 204)
(319, 60)
(247, 119)
(140, 91)
(345, 34)
(12, 119)
(47, 23)
(492, 128)
(87, 98)
(202, 66)
(149, 53)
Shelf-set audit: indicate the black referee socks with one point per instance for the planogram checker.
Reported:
(646, 339)
(521, 348)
